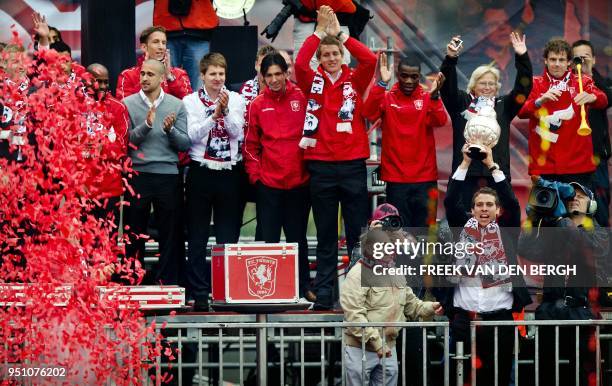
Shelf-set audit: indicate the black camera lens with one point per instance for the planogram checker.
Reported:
(392, 222)
(543, 197)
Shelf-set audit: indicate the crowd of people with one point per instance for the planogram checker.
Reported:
(295, 137)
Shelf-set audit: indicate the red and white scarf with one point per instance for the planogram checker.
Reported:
(313, 110)
(218, 151)
(493, 253)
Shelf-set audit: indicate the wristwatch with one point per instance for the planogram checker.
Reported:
(339, 36)
(494, 167)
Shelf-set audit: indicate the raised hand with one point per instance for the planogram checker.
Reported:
(169, 122)
(451, 49)
(467, 160)
(488, 161)
(168, 63)
(518, 43)
(151, 116)
(384, 73)
(437, 83)
(323, 18)
(333, 28)
(41, 28)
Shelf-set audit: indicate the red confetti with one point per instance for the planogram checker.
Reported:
(54, 251)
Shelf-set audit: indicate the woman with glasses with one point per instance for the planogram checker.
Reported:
(482, 90)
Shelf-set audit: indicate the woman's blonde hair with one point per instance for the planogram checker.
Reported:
(479, 72)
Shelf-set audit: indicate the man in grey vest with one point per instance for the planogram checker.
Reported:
(158, 131)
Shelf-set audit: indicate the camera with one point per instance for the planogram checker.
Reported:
(546, 198)
(457, 43)
(291, 7)
(577, 60)
(391, 222)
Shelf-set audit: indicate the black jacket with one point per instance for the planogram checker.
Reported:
(564, 243)
(507, 106)
(598, 119)
(509, 222)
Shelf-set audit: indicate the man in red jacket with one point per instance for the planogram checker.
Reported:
(408, 162)
(556, 151)
(153, 43)
(335, 141)
(105, 183)
(275, 163)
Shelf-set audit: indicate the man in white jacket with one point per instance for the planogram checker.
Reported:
(215, 120)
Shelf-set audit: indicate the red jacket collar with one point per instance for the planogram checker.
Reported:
(548, 76)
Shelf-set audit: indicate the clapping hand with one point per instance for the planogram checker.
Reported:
(169, 122)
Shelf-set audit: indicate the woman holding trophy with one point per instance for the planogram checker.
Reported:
(489, 113)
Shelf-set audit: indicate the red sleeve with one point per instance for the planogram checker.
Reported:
(602, 98)
(374, 105)
(125, 85)
(436, 115)
(303, 72)
(366, 64)
(181, 87)
(252, 145)
(121, 127)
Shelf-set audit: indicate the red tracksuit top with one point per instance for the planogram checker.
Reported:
(332, 145)
(408, 144)
(104, 181)
(571, 153)
(128, 82)
(271, 150)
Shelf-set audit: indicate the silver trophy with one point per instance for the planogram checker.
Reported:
(481, 129)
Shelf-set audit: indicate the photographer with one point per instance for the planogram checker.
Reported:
(368, 297)
(566, 297)
(479, 298)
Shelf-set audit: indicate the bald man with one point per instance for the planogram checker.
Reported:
(104, 162)
(157, 132)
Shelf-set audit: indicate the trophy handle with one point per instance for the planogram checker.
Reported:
(584, 128)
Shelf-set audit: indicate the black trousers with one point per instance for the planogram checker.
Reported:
(333, 183)
(216, 194)
(287, 210)
(485, 349)
(159, 190)
(416, 202)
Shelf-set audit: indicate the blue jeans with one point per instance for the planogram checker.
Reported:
(186, 52)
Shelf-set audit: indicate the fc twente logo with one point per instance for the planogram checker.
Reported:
(262, 276)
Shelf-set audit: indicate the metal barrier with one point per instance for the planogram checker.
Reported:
(535, 325)
(294, 342)
(284, 337)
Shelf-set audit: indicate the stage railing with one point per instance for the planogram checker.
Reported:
(295, 353)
